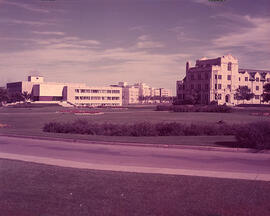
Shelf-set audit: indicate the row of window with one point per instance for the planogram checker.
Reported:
(199, 86)
(98, 104)
(200, 77)
(219, 97)
(97, 91)
(219, 86)
(95, 98)
(257, 79)
(229, 77)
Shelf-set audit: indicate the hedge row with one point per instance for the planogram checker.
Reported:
(195, 108)
(253, 135)
(140, 129)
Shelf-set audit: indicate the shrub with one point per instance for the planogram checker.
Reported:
(254, 135)
(138, 129)
(169, 129)
(213, 102)
(200, 108)
(163, 107)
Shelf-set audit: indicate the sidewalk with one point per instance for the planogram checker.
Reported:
(152, 170)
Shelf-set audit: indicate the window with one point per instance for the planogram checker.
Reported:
(95, 98)
(229, 77)
(229, 66)
(257, 97)
(76, 98)
(206, 86)
(199, 86)
(77, 90)
(192, 86)
(219, 86)
(239, 79)
(192, 76)
(206, 76)
(215, 76)
(219, 76)
(218, 96)
(199, 77)
(94, 91)
(115, 91)
(257, 79)
(246, 79)
(229, 87)
(257, 88)
(215, 86)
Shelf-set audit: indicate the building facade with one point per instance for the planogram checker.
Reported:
(218, 79)
(78, 94)
(133, 94)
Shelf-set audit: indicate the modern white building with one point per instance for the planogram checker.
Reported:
(78, 94)
(218, 79)
(130, 93)
(133, 93)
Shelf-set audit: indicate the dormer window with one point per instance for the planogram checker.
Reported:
(229, 66)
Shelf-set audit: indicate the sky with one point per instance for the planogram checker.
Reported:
(102, 42)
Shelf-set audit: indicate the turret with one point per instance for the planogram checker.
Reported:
(187, 66)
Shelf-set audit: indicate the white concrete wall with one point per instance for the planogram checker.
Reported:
(83, 96)
(46, 89)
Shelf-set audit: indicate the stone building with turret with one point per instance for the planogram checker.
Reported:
(218, 79)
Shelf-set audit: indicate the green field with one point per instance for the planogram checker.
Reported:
(29, 189)
(29, 121)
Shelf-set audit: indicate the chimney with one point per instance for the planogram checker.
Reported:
(187, 66)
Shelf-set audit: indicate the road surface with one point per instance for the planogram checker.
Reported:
(223, 164)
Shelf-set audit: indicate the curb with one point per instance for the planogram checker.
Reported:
(171, 146)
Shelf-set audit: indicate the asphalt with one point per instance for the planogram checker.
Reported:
(206, 162)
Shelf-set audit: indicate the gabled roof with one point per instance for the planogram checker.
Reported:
(241, 70)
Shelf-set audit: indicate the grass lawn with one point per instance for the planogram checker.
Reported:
(29, 189)
(29, 121)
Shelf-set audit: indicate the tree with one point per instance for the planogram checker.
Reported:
(15, 97)
(3, 96)
(195, 97)
(26, 96)
(141, 99)
(266, 93)
(244, 93)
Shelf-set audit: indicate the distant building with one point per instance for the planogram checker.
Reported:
(133, 94)
(218, 79)
(78, 94)
(130, 94)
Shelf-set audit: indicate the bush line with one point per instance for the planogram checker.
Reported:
(252, 135)
(195, 108)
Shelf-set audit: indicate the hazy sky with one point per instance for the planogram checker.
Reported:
(101, 42)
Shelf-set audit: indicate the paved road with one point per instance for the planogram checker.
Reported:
(242, 165)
